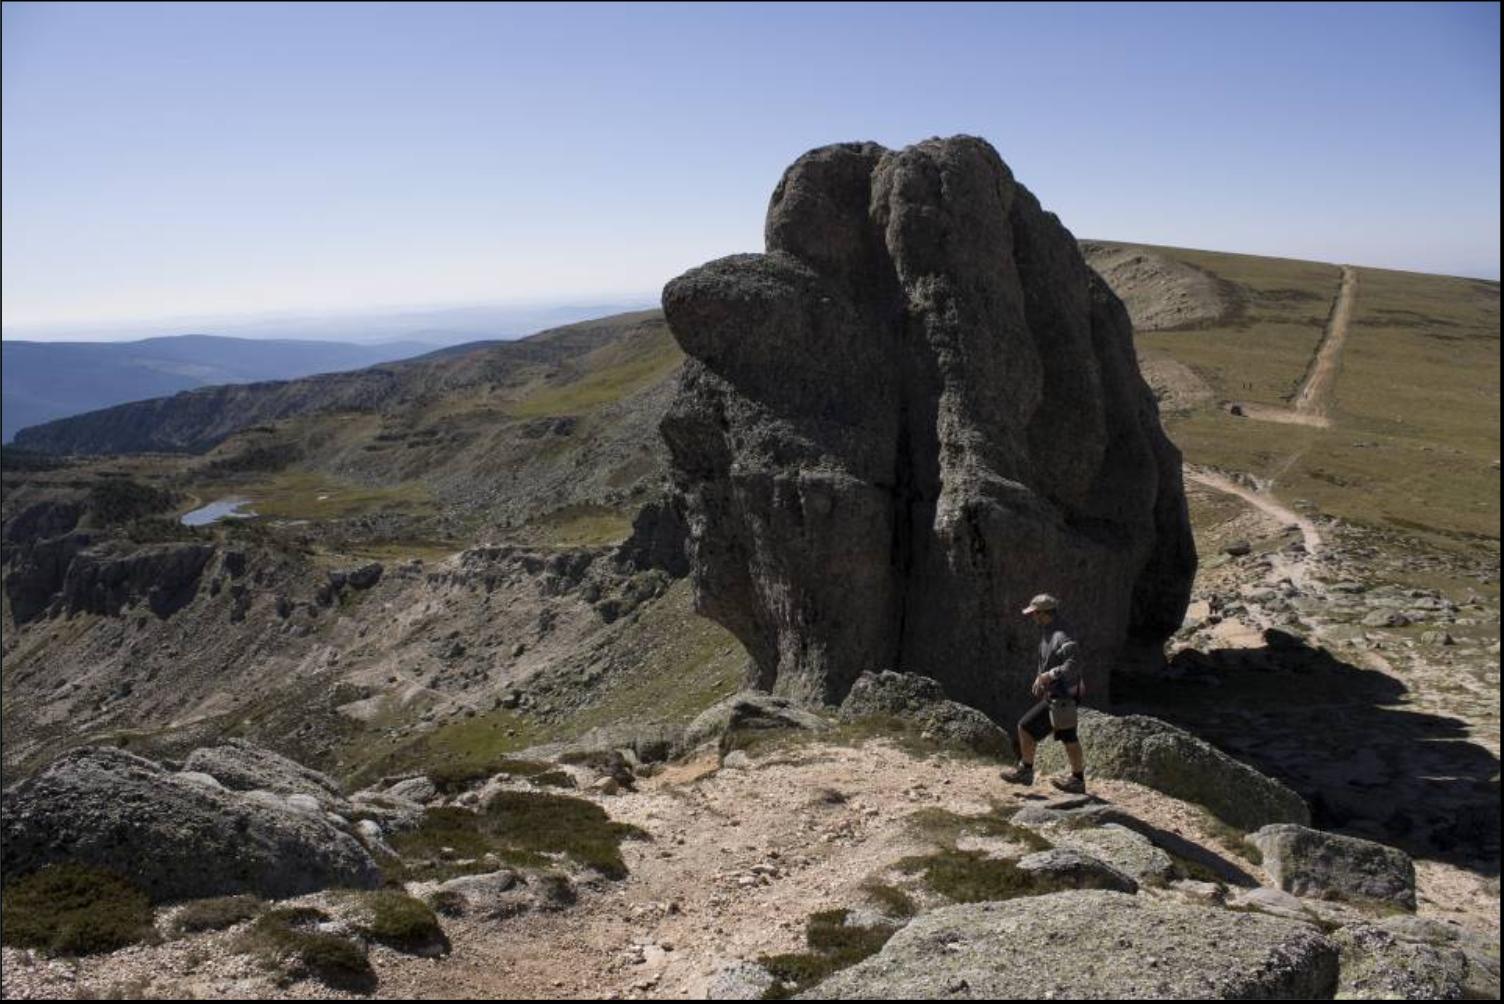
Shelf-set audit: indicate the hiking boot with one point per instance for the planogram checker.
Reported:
(1070, 783)
(1019, 775)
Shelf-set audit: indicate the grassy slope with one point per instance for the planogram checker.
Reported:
(677, 664)
(1260, 353)
(361, 464)
(1416, 401)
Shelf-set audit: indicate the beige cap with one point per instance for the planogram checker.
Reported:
(1044, 601)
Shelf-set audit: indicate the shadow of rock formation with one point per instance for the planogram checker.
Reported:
(1339, 735)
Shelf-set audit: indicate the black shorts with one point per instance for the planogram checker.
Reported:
(1037, 723)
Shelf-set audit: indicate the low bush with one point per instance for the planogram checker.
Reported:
(287, 937)
(217, 913)
(399, 921)
(72, 909)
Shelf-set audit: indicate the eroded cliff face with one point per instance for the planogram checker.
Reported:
(918, 409)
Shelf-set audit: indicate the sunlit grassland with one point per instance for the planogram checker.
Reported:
(603, 376)
(1415, 409)
(1259, 354)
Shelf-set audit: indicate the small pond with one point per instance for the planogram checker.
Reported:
(216, 511)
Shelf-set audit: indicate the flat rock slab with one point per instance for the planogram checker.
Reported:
(1092, 945)
(1065, 867)
(1158, 755)
(1316, 864)
(1123, 849)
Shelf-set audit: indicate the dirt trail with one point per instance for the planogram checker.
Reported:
(1263, 501)
(1312, 402)
(1316, 393)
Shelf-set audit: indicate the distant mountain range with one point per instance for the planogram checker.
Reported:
(49, 380)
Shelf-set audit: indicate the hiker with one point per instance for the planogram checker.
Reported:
(1059, 686)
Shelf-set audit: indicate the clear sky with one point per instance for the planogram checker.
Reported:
(181, 159)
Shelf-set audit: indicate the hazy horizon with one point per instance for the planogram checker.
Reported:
(387, 318)
(335, 159)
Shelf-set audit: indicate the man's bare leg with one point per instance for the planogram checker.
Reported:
(1073, 754)
(1026, 747)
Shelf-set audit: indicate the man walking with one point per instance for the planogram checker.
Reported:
(1058, 686)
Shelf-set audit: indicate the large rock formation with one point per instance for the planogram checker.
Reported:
(919, 408)
(176, 835)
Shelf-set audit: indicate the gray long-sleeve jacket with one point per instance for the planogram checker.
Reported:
(1059, 658)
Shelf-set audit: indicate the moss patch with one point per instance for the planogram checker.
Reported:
(521, 828)
(945, 827)
(973, 877)
(833, 947)
(74, 909)
(893, 900)
(451, 778)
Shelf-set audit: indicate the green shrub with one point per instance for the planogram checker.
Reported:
(120, 500)
(217, 913)
(542, 823)
(285, 937)
(75, 909)
(16, 459)
(399, 921)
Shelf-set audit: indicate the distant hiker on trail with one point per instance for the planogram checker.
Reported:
(1058, 685)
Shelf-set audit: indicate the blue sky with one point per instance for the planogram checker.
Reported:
(172, 160)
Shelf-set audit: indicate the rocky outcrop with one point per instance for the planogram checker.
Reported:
(657, 541)
(35, 571)
(104, 581)
(1376, 965)
(42, 521)
(176, 836)
(739, 981)
(921, 700)
(1311, 863)
(1159, 292)
(1158, 755)
(1090, 945)
(919, 408)
(750, 711)
(244, 766)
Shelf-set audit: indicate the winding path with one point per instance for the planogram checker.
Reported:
(1297, 568)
